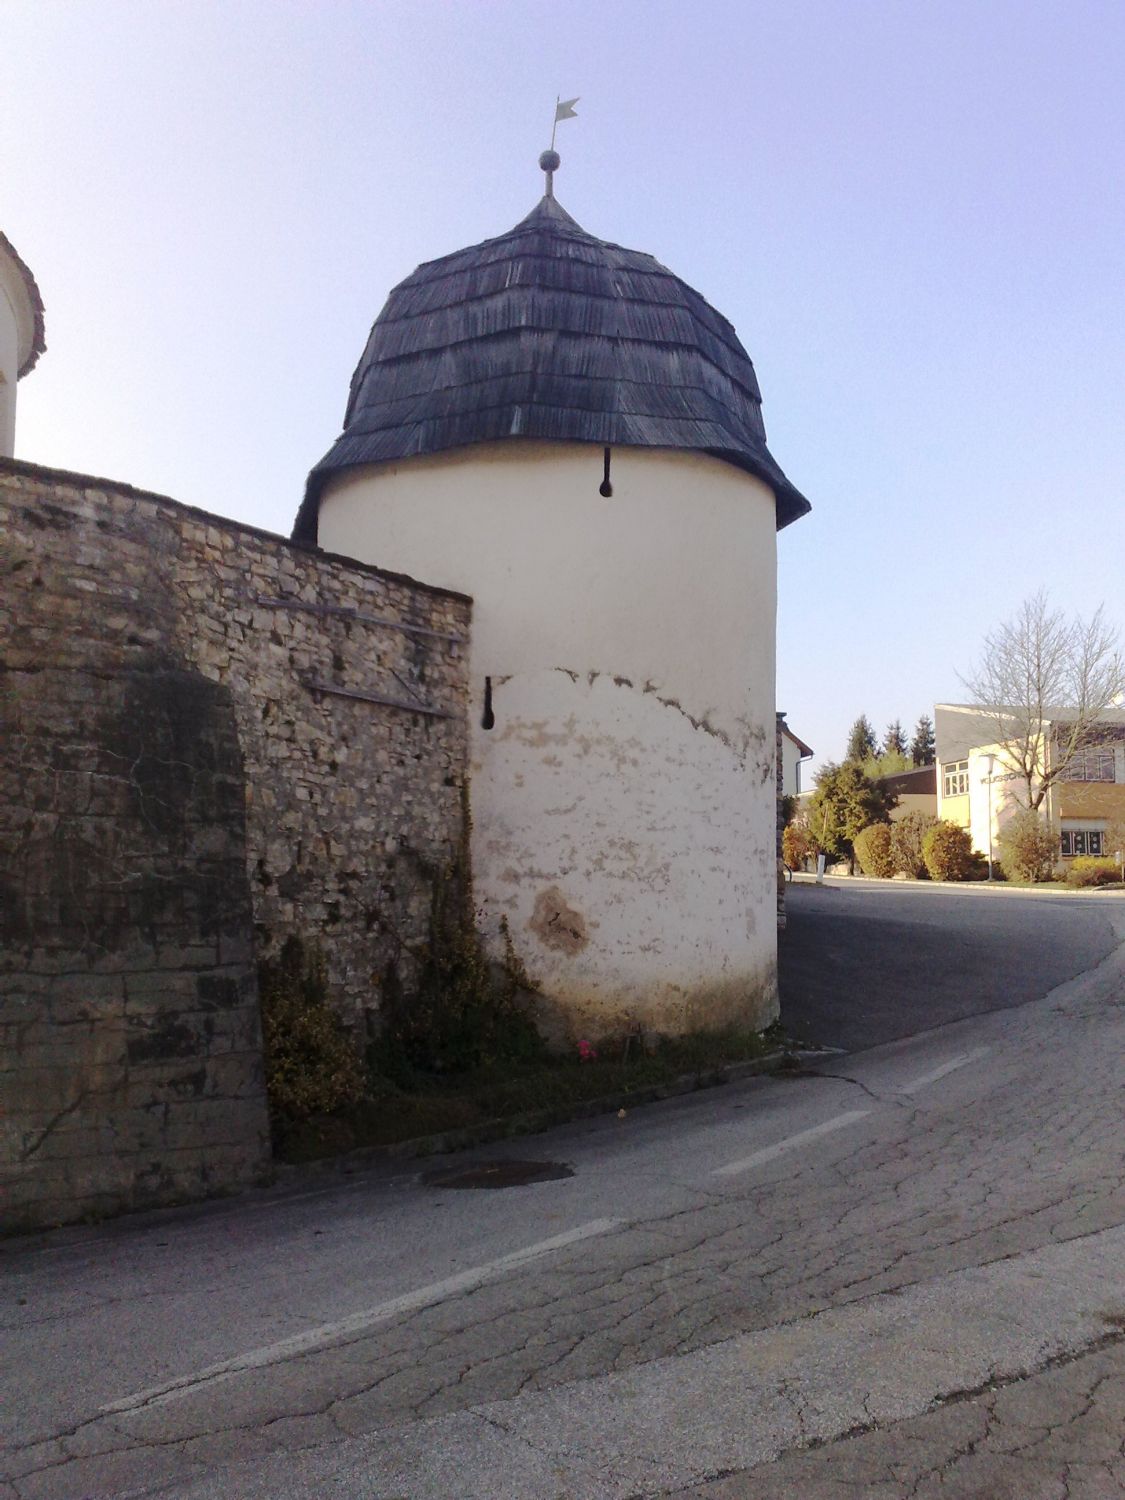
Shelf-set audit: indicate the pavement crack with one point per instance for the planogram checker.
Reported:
(898, 1100)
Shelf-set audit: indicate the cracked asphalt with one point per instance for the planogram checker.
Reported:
(901, 1273)
(1053, 1436)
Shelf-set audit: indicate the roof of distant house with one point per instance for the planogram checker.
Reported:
(918, 781)
(805, 750)
(547, 332)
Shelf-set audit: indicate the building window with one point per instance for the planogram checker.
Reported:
(1078, 841)
(1095, 763)
(955, 781)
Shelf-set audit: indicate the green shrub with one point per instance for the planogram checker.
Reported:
(844, 803)
(311, 1065)
(872, 847)
(1029, 846)
(907, 836)
(1087, 870)
(948, 852)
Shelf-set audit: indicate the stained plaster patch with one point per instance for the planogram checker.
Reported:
(557, 924)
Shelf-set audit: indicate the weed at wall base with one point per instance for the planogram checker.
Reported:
(311, 1064)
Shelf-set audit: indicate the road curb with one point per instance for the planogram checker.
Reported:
(286, 1175)
(534, 1122)
(954, 887)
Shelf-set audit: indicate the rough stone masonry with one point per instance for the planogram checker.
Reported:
(212, 739)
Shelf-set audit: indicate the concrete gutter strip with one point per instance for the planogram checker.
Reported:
(534, 1122)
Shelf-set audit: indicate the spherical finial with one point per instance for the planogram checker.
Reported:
(549, 161)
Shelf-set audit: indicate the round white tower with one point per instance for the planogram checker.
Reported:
(21, 336)
(566, 431)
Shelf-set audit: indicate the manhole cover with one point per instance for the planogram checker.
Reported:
(498, 1174)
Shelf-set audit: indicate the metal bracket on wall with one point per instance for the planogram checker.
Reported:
(314, 685)
(347, 612)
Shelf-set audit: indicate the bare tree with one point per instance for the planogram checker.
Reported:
(1043, 676)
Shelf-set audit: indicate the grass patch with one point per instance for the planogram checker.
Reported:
(421, 1104)
(1057, 883)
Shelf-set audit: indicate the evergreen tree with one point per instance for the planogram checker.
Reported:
(894, 741)
(845, 802)
(922, 745)
(862, 744)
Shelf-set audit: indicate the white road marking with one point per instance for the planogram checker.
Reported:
(326, 1333)
(950, 1067)
(790, 1143)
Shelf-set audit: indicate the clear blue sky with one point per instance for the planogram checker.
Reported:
(913, 214)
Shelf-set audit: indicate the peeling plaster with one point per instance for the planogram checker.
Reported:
(752, 735)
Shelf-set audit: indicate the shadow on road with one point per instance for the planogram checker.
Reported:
(862, 966)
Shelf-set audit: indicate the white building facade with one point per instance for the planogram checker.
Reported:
(980, 786)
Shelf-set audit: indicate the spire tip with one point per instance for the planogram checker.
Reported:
(549, 162)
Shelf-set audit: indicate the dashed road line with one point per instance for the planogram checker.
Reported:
(842, 1121)
(924, 1079)
(327, 1333)
(790, 1143)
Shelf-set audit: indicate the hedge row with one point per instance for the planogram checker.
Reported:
(1087, 870)
(920, 847)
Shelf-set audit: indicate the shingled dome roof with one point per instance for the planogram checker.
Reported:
(31, 336)
(549, 333)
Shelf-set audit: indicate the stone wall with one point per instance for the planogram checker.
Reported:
(211, 740)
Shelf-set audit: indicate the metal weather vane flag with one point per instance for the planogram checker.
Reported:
(564, 110)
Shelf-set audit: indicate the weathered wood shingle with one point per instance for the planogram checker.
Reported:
(37, 343)
(546, 332)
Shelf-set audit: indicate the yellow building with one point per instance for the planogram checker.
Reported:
(978, 786)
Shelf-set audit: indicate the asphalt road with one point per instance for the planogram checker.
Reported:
(902, 1275)
(863, 962)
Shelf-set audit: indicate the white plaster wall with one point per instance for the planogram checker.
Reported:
(12, 295)
(624, 801)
